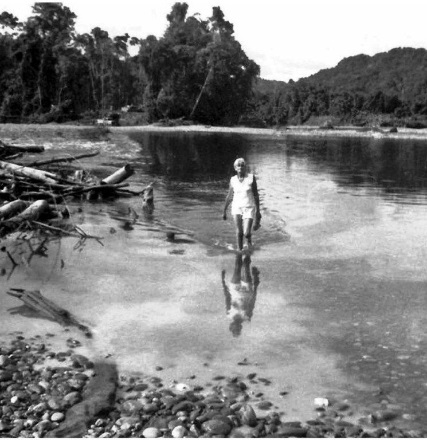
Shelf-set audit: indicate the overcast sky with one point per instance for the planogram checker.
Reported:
(289, 39)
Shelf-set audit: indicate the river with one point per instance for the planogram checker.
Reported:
(336, 285)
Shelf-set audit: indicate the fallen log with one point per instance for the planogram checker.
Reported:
(62, 159)
(22, 148)
(33, 212)
(36, 301)
(11, 208)
(79, 190)
(119, 176)
(44, 176)
(7, 149)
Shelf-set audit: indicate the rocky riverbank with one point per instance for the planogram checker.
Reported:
(64, 394)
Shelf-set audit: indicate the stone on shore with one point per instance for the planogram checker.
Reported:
(151, 433)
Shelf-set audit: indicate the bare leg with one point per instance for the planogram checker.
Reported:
(247, 277)
(237, 274)
(239, 230)
(247, 230)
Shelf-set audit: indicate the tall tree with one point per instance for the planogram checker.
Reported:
(197, 69)
(50, 32)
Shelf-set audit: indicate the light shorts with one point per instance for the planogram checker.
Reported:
(244, 212)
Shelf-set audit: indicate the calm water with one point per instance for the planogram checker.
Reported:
(337, 295)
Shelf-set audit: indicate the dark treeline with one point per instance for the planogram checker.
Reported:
(197, 70)
(385, 89)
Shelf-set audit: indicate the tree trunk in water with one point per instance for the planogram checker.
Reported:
(33, 212)
(12, 208)
(120, 175)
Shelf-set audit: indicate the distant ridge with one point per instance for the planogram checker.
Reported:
(401, 71)
(359, 89)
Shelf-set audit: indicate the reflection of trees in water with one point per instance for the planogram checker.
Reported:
(240, 293)
(187, 156)
(21, 249)
(381, 162)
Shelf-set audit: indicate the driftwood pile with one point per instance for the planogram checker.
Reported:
(31, 197)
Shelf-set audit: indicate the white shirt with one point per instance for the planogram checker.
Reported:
(243, 196)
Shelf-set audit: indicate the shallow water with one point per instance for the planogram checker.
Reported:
(339, 310)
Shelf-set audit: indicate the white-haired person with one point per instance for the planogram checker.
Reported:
(244, 198)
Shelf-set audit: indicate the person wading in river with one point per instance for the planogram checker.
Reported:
(244, 198)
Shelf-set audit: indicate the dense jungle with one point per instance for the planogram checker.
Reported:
(196, 71)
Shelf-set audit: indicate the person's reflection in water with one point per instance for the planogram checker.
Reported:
(240, 293)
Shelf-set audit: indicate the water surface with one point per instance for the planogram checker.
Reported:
(339, 304)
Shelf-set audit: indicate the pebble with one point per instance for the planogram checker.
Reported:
(131, 406)
(182, 387)
(179, 431)
(5, 375)
(151, 433)
(248, 416)
(243, 432)
(14, 432)
(79, 360)
(217, 427)
(57, 417)
(54, 404)
(321, 402)
(383, 416)
(44, 384)
(39, 408)
(264, 405)
(3, 360)
(34, 388)
(72, 398)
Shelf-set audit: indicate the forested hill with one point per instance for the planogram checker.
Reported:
(401, 72)
(391, 84)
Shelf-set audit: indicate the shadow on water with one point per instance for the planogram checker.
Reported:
(240, 293)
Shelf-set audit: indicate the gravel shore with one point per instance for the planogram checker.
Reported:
(64, 394)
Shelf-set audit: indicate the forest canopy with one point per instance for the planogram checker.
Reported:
(48, 72)
(196, 71)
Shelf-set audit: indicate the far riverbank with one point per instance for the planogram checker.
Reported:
(31, 130)
(306, 131)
